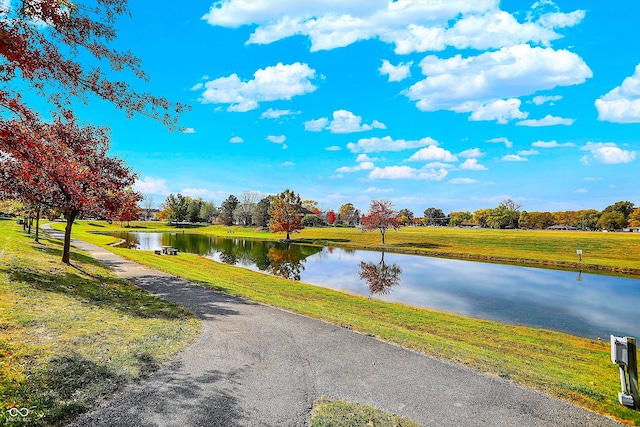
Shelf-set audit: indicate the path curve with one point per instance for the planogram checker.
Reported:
(255, 365)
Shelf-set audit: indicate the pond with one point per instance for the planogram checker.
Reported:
(577, 303)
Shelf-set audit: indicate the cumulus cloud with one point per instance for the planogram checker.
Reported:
(500, 110)
(316, 125)
(467, 84)
(278, 82)
(276, 139)
(343, 122)
(364, 158)
(501, 140)
(542, 99)
(376, 145)
(471, 153)
(528, 153)
(412, 26)
(513, 158)
(607, 153)
(473, 165)
(276, 114)
(287, 164)
(406, 172)
(462, 181)
(396, 73)
(547, 120)
(432, 153)
(188, 130)
(551, 144)
(622, 103)
(236, 140)
(362, 166)
(333, 148)
(378, 190)
(580, 191)
(149, 185)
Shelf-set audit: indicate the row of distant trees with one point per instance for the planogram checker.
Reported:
(249, 209)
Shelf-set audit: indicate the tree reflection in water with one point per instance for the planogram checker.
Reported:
(380, 277)
(286, 263)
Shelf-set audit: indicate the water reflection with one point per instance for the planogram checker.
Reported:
(380, 277)
(588, 305)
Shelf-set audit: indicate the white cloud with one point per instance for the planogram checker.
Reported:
(276, 139)
(150, 185)
(333, 148)
(376, 145)
(431, 153)
(396, 73)
(547, 120)
(471, 153)
(362, 166)
(541, 99)
(507, 73)
(278, 82)
(343, 122)
(197, 86)
(472, 164)
(465, 84)
(500, 110)
(378, 190)
(462, 181)
(622, 103)
(276, 114)
(236, 140)
(607, 153)
(188, 130)
(528, 153)
(438, 165)
(316, 125)
(412, 26)
(406, 172)
(198, 192)
(364, 158)
(580, 191)
(501, 140)
(551, 144)
(287, 164)
(513, 158)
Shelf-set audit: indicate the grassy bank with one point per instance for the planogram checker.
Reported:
(571, 368)
(72, 335)
(608, 252)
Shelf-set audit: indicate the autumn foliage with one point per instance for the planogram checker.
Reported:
(286, 213)
(381, 216)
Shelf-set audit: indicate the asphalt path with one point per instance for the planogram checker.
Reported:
(255, 365)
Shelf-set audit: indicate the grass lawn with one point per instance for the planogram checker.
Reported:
(72, 335)
(338, 413)
(564, 366)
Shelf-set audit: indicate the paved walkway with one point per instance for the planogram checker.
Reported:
(255, 365)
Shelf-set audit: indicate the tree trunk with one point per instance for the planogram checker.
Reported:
(287, 236)
(70, 216)
(30, 220)
(382, 232)
(37, 225)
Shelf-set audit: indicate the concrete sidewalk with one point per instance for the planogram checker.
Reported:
(255, 365)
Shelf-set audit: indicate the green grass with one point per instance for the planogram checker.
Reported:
(338, 413)
(571, 368)
(70, 335)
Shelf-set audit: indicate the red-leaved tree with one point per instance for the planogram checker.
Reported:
(63, 166)
(381, 216)
(286, 213)
(41, 42)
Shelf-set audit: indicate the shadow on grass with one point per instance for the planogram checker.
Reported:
(70, 385)
(73, 256)
(174, 397)
(421, 245)
(100, 291)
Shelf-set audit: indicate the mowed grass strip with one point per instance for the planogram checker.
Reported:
(72, 335)
(572, 368)
(615, 252)
(339, 413)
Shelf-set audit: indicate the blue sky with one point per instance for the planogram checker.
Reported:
(450, 104)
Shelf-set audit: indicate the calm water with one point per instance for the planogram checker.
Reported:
(581, 304)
